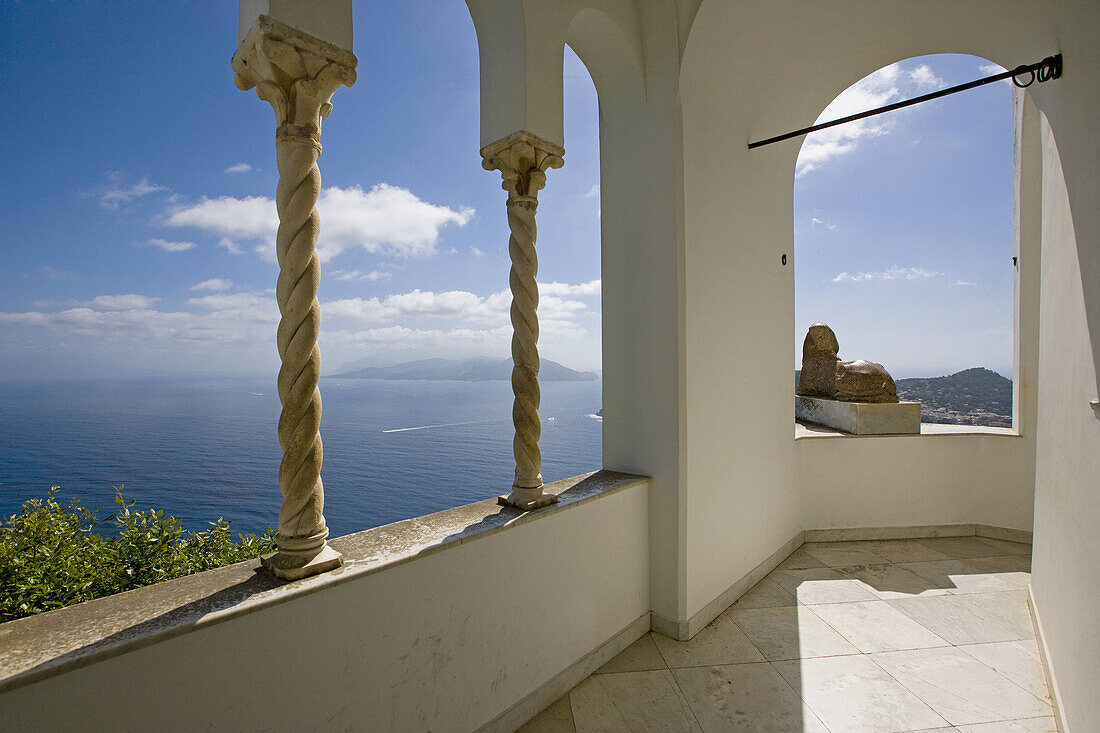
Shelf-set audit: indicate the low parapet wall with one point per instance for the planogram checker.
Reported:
(449, 622)
(947, 475)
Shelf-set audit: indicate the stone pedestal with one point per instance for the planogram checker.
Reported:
(860, 418)
(525, 503)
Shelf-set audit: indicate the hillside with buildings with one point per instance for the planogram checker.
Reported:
(976, 396)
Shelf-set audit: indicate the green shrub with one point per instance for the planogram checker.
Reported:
(54, 555)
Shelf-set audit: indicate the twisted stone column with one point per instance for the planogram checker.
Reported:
(522, 159)
(297, 74)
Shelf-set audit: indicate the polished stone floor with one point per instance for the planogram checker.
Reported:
(842, 637)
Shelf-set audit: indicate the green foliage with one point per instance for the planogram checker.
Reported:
(54, 555)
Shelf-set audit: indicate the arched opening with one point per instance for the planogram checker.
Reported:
(904, 239)
(569, 287)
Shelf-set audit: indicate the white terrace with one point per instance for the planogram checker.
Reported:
(482, 616)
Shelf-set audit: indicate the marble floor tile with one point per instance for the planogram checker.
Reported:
(958, 687)
(837, 554)
(1014, 570)
(558, 718)
(765, 594)
(820, 585)
(1011, 548)
(745, 697)
(1028, 725)
(800, 559)
(853, 693)
(849, 647)
(902, 550)
(960, 576)
(1017, 660)
(640, 656)
(631, 701)
(874, 626)
(720, 642)
(891, 581)
(1008, 608)
(960, 548)
(790, 633)
(961, 620)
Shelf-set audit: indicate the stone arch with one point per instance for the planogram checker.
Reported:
(612, 55)
(854, 307)
(828, 47)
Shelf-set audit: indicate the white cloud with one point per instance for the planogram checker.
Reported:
(815, 222)
(372, 276)
(386, 219)
(230, 246)
(593, 192)
(888, 84)
(130, 301)
(891, 273)
(243, 308)
(121, 319)
(52, 273)
(251, 217)
(581, 290)
(962, 284)
(991, 69)
(556, 308)
(220, 323)
(415, 304)
(476, 251)
(926, 79)
(440, 341)
(169, 246)
(117, 193)
(239, 168)
(214, 284)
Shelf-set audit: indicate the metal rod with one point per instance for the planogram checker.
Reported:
(1048, 68)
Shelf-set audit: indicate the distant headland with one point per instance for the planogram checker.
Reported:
(460, 370)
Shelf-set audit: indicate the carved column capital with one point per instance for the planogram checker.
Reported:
(522, 159)
(293, 71)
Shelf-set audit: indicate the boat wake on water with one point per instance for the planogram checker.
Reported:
(444, 425)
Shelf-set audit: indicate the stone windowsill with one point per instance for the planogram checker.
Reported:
(810, 430)
(37, 647)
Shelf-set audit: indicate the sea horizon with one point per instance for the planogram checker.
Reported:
(201, 448)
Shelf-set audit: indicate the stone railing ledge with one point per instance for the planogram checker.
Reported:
(809, 431)
(42, 646)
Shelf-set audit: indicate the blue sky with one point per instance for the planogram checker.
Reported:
(139, 221)
(903, 222)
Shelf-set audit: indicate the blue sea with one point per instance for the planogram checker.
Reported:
(202, 448)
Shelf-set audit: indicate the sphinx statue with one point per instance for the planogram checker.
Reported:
(825, 376)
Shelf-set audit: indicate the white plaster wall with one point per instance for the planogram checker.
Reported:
(446, 642)
(901, 481)
(631, 50)
(949, 479)
(1066, 563)
(760, 67)
(641, 258)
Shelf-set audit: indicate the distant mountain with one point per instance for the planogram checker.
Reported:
(975, 396)
(464, 370)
